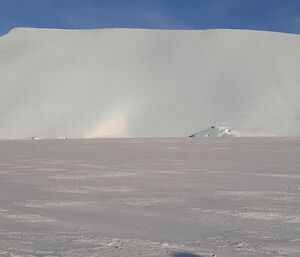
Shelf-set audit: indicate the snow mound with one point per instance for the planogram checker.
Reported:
(147, 83)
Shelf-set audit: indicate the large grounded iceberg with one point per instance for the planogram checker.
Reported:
(147, 83)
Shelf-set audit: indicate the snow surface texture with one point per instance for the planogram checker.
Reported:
(236, 197)
(147, 83)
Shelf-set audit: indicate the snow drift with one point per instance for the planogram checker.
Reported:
(147, 83)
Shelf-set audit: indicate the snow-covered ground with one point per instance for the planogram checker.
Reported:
(147, 83)
(150, 197)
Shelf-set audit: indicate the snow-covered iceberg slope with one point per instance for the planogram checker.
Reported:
(148, 83)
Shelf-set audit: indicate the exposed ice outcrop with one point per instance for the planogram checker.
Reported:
(214, 131)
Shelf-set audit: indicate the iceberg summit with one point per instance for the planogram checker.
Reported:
(147, 83)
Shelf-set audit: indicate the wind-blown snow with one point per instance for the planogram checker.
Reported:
(148, 82)
(150, 197)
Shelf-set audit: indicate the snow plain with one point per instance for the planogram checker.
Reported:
(147, 83)
(150, 197)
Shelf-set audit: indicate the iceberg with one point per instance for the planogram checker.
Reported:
(147, 83)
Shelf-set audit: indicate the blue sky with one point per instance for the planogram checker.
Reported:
(272, 15)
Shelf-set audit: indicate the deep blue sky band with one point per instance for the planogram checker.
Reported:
(270, 15)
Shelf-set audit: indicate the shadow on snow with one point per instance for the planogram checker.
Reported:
(181, 254)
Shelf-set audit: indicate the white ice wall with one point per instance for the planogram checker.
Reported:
(115, 82)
